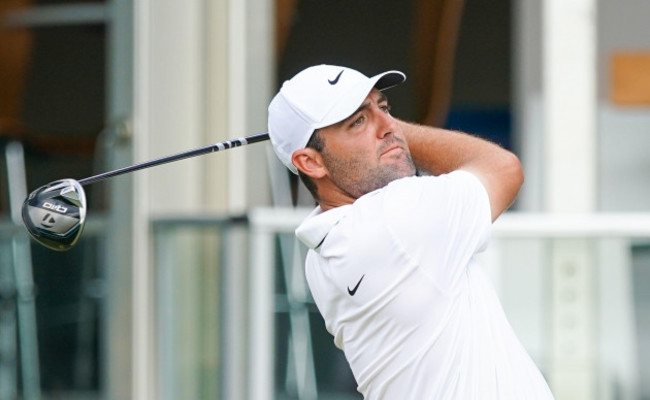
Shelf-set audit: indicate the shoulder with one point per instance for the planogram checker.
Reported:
(455, 177)
(411, 188)
(418, 204)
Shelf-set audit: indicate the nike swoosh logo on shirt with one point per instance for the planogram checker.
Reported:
(335, 80)
(351, 292)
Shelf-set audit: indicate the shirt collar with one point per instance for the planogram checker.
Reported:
(318, 224)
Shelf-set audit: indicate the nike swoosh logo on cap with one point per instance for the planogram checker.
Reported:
(335, 80)
(351, 292)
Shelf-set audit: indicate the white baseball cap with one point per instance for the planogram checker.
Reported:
(317, 97)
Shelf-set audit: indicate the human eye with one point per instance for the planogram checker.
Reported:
(358, 120)
(385, 108)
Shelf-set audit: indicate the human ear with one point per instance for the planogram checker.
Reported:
(310, 162)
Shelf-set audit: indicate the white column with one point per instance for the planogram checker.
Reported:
(617, 323)
(193, 64)
(143, 339)
(175, 102)
(239, 71)
(237, 85)
(569, 85)
(569, 33)
(261, 354)
(118, 312)
(217, 104)
(260, 69)
(168, 118)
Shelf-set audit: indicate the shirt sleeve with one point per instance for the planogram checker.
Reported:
(440, 221)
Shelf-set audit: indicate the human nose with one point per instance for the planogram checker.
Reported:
(386, 123)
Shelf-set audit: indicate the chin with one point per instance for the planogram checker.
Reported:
(397, 172)
(405, 168)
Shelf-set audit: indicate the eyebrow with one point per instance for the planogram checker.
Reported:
(382, 98)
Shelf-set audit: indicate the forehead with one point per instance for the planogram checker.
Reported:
(375, 96)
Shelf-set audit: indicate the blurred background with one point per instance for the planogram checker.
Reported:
(188, 282)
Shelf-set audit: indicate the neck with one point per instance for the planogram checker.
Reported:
(331, 196)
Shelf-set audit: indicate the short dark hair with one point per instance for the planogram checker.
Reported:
(315, 142)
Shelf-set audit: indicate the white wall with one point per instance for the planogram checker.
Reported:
(624, 131)
(621, 164)
(623, 175)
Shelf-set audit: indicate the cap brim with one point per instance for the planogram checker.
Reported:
(354, 97)
(389, 79)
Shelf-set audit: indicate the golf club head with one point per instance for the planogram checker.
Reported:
(55, 214)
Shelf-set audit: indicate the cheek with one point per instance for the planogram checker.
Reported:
(358, 147)
(350, 162)
(360, 158)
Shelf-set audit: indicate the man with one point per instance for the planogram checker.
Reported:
(392, 262)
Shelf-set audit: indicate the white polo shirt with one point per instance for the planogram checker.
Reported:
(396, 280)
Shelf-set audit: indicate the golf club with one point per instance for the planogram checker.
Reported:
(55, 214)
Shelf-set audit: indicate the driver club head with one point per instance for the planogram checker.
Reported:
(55, 214)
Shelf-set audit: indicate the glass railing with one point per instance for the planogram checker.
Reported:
(51, 316)
(200, 292)
(235, 318)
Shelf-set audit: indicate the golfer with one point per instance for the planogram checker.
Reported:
(403, 210)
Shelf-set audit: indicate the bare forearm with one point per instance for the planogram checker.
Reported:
(438, 151)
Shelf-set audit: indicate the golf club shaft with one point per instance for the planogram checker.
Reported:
(180, 156)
